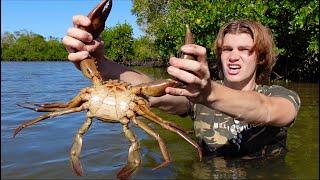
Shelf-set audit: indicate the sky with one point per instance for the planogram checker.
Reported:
(54, 17)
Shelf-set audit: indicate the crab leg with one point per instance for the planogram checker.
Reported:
(161, 143)
(143, 110)
(46, 116)
(40, 109)
(134, 157)
(49, 107)
(76, 147)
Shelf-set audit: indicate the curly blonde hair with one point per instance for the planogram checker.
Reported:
(263, 45)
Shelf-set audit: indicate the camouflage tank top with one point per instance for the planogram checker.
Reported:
(220, 134)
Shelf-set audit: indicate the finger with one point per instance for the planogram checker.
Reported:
(178, 92)
(196, 50)
(199, 69)
(183, 75)
(78, 56)
(80, 20)
(79, 34)
(70, 50)
(185, 64)
(92, 46)
(100, 40)
(72, 43)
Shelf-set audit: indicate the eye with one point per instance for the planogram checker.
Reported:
(226, 49)
(244, 49)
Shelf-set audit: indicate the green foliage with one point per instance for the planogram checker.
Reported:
(144, 49)
(27, 46)
(121, 47)
(118, 42)
(295, 25)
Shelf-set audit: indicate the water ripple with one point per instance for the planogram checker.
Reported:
(41, 151)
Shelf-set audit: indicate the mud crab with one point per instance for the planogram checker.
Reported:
(111, 101)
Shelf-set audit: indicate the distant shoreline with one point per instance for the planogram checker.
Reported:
(138, 63)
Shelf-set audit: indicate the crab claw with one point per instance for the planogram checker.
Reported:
(188, 40)
(98, 16)
(155, 88)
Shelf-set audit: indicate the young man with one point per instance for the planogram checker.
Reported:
(232, 117)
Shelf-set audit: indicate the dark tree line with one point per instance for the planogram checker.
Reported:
(28, 46)
(120, 46)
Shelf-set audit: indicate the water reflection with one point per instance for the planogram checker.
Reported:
(220, 168)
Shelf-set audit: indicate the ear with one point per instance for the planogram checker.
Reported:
(260, 62)
(261, 59)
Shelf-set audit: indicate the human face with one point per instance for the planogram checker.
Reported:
(238, 60)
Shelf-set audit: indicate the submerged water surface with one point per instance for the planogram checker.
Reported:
(41, 151)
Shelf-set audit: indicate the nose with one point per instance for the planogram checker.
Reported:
(234, 56)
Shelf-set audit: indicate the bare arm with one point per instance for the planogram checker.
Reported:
(248, 106)
(112, 70)
(251, 107)
(171, 104)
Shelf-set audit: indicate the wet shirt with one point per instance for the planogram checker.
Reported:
(221, 134)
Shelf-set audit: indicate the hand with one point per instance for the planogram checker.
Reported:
(79, 43)
(195, 74)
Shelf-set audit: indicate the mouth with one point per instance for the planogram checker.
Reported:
(234, 69)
